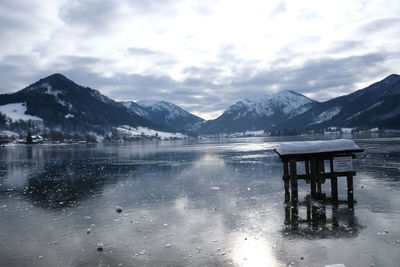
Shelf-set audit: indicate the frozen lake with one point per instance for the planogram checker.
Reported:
(190, 203)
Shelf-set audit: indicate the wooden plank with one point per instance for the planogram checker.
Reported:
(324, 176)
(334, 184)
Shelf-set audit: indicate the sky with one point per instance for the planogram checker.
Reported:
(201, 55)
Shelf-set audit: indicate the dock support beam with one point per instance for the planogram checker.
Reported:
(286, 180)
(293, 180)
(313, 178)
(350, 193)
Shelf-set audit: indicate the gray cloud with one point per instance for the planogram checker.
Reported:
(96, 16)
(77, 41)
(157, 57)
(378, 25)
(279, 9)
(344, 46)
(319, 77)
(99, 17)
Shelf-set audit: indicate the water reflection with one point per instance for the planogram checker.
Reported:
(320, 219)
(64, 184)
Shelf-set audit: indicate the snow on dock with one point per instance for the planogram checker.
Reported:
(311, 147)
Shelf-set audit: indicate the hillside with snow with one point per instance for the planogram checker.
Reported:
(260, 112)
(165, 113)
(376, 106)
(60, 104)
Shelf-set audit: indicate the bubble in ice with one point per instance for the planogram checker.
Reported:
(100, 246)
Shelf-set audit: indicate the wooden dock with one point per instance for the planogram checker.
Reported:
(320, 161)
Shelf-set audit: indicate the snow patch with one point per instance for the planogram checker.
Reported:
(135, 108)
(69, 115)
(365, 110)
(143, 131)
(16, 112)
(327, 115)
(147, 103)
(9, 133)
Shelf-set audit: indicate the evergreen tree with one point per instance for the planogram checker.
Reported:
(29, 139)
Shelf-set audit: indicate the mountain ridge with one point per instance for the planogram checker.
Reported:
(166, 113)
(65, 105)
(261, 113)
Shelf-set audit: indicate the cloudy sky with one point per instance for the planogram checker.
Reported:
(202, 55)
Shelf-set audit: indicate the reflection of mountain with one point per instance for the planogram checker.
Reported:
(59, 178)
(64, 184)
(338, 222)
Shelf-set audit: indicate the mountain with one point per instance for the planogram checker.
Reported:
(64, 105)
(165, 113)
(377, 105)
(259, 112)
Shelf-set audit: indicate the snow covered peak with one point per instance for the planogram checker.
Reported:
(171, 111)
(147, 103)
(165, 113)
(256, 97)
(267, 105)
(136, 108)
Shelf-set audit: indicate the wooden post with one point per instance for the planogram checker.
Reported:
(334, 185)
(286, 180)
(307, 166)
(321, 166)
(350, 193)
(295, 216)
(320, 169)
(293, 179)
(313, 177)
(314, 216)
(307, 170)
(287, 214)
(335, 216)
(308, 203)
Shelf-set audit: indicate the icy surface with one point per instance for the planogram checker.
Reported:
(16, 112)
(303, 147)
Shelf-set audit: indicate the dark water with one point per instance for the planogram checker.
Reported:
(190, 203)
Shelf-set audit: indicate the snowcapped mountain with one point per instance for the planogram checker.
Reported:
(260, 112)
(165, 113)
(64, 105)
(377, 105)
(136, 108)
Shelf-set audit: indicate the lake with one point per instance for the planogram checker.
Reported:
(207, 202)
